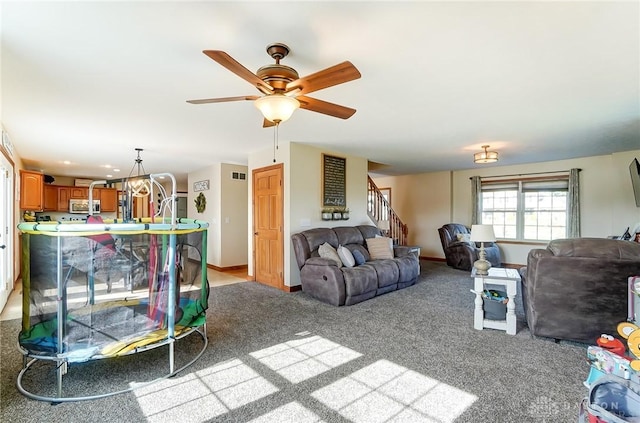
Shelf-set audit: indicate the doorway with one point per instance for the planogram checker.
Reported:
(268, 246)
(7, 230)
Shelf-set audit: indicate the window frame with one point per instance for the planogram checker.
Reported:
(556, 183)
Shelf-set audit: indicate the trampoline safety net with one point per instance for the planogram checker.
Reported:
(110, 293)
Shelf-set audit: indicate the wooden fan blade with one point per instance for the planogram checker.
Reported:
(234, 66)
(325, 107)
(338, 74)
(223, 99)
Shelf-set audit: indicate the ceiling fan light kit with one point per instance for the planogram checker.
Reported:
(283, 91)
(485, 156)
(277, 108)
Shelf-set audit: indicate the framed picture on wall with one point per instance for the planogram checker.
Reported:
(334, 181)
(201, 185)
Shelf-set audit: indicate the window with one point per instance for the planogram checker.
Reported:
(527, 209)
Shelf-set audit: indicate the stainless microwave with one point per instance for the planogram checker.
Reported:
(82, 206)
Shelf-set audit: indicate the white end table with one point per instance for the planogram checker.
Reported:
(497, 276)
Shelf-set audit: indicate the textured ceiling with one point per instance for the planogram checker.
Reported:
(88, 82)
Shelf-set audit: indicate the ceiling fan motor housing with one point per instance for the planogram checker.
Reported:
(277, 75)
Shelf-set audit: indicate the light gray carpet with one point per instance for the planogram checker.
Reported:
(410, 355)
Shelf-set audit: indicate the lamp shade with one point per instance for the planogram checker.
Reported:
(383, 225)
(482, 233)
(485, 156)
(277, 107)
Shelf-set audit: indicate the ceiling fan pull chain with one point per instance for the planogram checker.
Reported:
(274, 142)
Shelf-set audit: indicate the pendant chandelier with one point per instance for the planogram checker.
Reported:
(138, 184)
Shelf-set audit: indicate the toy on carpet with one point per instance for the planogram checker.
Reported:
(612, 344)
(631, 332)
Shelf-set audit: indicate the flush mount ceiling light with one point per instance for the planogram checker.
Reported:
(485, 156)
(277, 107)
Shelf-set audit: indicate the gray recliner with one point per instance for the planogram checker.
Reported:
(577, 289)
(460, 254)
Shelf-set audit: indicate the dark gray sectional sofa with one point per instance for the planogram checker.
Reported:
(324, 280)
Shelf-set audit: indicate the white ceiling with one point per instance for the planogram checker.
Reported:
(90, 81)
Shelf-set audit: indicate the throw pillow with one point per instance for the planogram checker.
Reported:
(345, 255)
(380, 248)
(464, 238)
(326, 250)
(358, 257)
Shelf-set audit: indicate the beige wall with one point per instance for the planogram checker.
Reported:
(303, 195)
(225, 212)
(422, 202)
(211, 213)
(233, 216)
(607, 202)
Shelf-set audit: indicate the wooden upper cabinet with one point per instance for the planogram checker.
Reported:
(63, 199)
(79, 192)
(50, 198)
(31, 190)
(108, 199)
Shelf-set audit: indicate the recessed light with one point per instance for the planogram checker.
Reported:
(67, 162)
(109, 176)
(116, 170)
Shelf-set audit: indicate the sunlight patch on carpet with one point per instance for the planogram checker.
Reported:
(302, 359)
(292, 412)
(203, 395)
(387, 392)
(383, 391)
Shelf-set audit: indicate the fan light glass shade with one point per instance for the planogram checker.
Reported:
(485, 156)
(277, 107)
(482, 233)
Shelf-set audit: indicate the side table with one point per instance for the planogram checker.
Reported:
(415, 249)
(497, 276)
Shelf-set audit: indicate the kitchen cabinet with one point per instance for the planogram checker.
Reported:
(79, 192)
(63, 199)
(108, 199)
(50, 198)
(31, 190)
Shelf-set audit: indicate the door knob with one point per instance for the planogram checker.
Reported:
(2, 246)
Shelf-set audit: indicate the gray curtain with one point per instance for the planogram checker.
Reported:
(573, 230)
(476, 197)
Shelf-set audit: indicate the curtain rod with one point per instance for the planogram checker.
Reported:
(526, 174)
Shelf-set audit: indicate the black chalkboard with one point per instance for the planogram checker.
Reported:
(334, 181)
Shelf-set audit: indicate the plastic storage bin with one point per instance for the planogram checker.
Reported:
(494, 304)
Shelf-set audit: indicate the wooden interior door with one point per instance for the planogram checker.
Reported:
(268, 220)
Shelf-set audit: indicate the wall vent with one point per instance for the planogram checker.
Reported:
(239, 175)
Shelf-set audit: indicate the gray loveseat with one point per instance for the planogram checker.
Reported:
(576, 289)
(324, 280)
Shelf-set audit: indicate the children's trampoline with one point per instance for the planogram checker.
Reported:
(105, 289)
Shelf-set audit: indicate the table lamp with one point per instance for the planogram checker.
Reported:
(482, 234)
(383, 225)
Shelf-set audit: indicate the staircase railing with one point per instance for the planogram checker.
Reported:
(380, 210)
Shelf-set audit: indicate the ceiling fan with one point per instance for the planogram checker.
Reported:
(283, 90)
